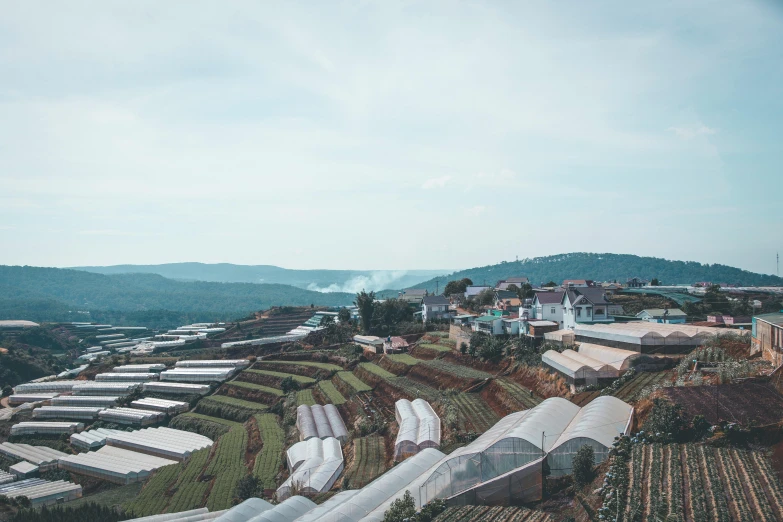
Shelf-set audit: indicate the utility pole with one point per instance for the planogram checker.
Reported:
(436, 285)
(777, 256)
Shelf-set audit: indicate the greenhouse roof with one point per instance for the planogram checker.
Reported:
(245, 511)
(615, 357)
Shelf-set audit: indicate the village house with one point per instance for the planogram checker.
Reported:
(636, 282)
(503, 284)
(767, 331)
(578, 283)
(729, 320)
(585, 306)
(548, 306)
(474, 290)
(663, 315)
(413, 296)
(435, 307)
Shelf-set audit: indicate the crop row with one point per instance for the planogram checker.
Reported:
(630, 391)
(474, 414)
(376, 370)
(496, 514)
(188, 490)
(268, 460)
(353, 381)
(311, 364)
(331, 393)
(211, 427)
(227, 411)
(403, 358)
(415, 389)
(369, 461)
(305, 397)
(153, 497)
(227, 467)
(257, 387)
(433, 347)
(237, 403)
(457, 370)
(301, 379)
(522, 395)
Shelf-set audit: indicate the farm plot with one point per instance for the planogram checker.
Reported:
(369, 461)
(306, 368)
(700, 483)
(353, 381)
(272, 377)
(523, 395)
(305, 397)
(228, 408)
(746, 402)
(475, 415)
(403, 358)
(631, 390)
(256, 387)
(331, 393)
(457, 370)
(226, 467)
(211, 427)
(415, 389)
(268, 460)
(155, 494)
(188, 491)
(237, 403)
(496, 514)
(430, 351)
(376, 370)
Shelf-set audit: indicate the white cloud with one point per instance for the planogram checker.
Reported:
(476, 211)
(688, 132)
(433, 183)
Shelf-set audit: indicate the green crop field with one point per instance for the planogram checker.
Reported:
(332, 393)
(298, 378)
(457, 369)
(212, 427)
(353, 381)
(435, 347)
(416, 389)
(496, 514)
(153, 499)
(111, 498)
(519, 393)
(256, 387)
(305, 397)
(475, 415)
(268, 460)
(189, 491)
(227, 466)
(377, 370)
(238, 403)
(403, 358)
(369, 461)
(321, 366)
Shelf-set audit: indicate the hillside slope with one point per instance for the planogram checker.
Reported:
(138, 292)
(330, 280)
(607, 267)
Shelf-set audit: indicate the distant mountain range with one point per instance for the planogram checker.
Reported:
(605, 267)
(350, 281)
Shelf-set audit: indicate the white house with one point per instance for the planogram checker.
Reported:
(660, 315)
(489, 324)
(473, 291)
(435, 307)
(548, 306)
(585, 305)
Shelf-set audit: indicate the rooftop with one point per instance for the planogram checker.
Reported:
(435, 300)
(549, 297)
(775, 318)
(659, 312)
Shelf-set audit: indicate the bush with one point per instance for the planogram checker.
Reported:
(665, 422)
(288, 385)
(583, 464)
(248, 486)
(402, 509)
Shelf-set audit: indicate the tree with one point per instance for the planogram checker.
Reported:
(665, 422)
(344, 315)
(7, 390)
(248, 486)
(388, 315)
(402, 509)
(430, 511)
(457, 287)
(550, 283)
(288, 385)
(583, 464)
(366, 304)
(655, 282)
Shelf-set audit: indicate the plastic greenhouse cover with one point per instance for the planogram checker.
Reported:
(566, 365)
(286, 511)
(615, 357)
(321, 421)
(315, 514)
(602, 420)
(429, 424)
(169, 516)
(595, 364)
(245, 511)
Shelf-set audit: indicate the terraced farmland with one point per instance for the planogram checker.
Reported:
(310, 364)
(457, 369)
(700, 483)
(153, 497)
(433, 348)
(227, 467)
(233, 401)
(188, 491)
(631, 390)
(519, 393)
(369, 461)
(301, 379)
(403, 358)
(269, 459)
(212, 427)
(415, 389)
(496, 514)
(305, 397)
(256, 387)
(376, 370)
(353, 381)
(475, 415)
(331, 393)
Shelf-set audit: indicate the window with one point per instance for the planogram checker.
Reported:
(553, 310)
(599, 311)
(579, 312)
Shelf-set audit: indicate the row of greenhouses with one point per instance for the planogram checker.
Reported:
(46, 428)
(43, 457)
(42, 492)
(163, 442)
(116, 465)
(176, 388)
(314, 466)
(164, 405)
(419, 427)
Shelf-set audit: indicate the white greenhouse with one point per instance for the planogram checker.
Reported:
(176, 388)
(314, 465)
(85, 400)
(193, 515)
(23, 398)
(321, 422)
(257, 510)
(43, 457)
(109, 389)
(646, 337)
(211, 363)
(42, 492)
(139, 368)
(170, 407)
(197, 374)
(315, 514)
(85, 413)
(578, 369)
(619, 359)
(92, 439)
(46, 428)
(132, 416)
(162, 442)
(5, 477)
(419, 428)
(126, 377)
(246, 510)
(46, 387)
(115, 465)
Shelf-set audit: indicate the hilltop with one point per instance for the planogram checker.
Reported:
(350, 281)
(607, 267)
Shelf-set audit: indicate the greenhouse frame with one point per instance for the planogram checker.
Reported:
(154, 404)
(197, 374)
(419, 428)
(621, 360)
(176, 388)
(126, 377)
(85, 413)
(101, 401)
(42, 492)
(24, 398)
(315, 465)
(139, 368)
(167, 443)
(320, 422)
(578, 369)
(92, 439)
(42, 456)
(46, 387)
(111, 389)
(46, 428)
(116, 465)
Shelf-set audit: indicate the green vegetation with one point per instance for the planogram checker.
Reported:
(583, 464)
(211, 427)
(523, 396)
(353, 381)
(377, 370)
(68, 513)
(153, 499)
(435, 347)
(332, 393)
(369, 462)
(268, 460)
(457, 369)
(228, 408)
(256, 387)
(305, 397)
(237, 403)
(321, 366)
(473, 414)
(228, 467)
(188, 490)
(110, 498)
(403, 358)
(608, 267)
(298, 378)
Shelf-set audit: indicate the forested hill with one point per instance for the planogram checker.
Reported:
(138, 292)
(607, 267)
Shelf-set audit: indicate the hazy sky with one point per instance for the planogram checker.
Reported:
(389, 134)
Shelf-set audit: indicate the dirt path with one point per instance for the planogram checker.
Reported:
(4, 402)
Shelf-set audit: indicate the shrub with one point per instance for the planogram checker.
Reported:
(583, 464)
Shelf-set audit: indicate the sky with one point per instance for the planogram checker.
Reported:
(389, 134)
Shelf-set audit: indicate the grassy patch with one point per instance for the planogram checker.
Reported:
(305, 397)
(238, 403)
(403, 358)
(321, 366)
(268, 460)
(110, 498)
(434, 347)
(332, 393)
(301, 379)
(353, 381)
(257, 387)
(377, 370)
(457, 370)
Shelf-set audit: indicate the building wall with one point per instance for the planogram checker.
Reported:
(545, 313)
(459, 335)
(768, 339)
